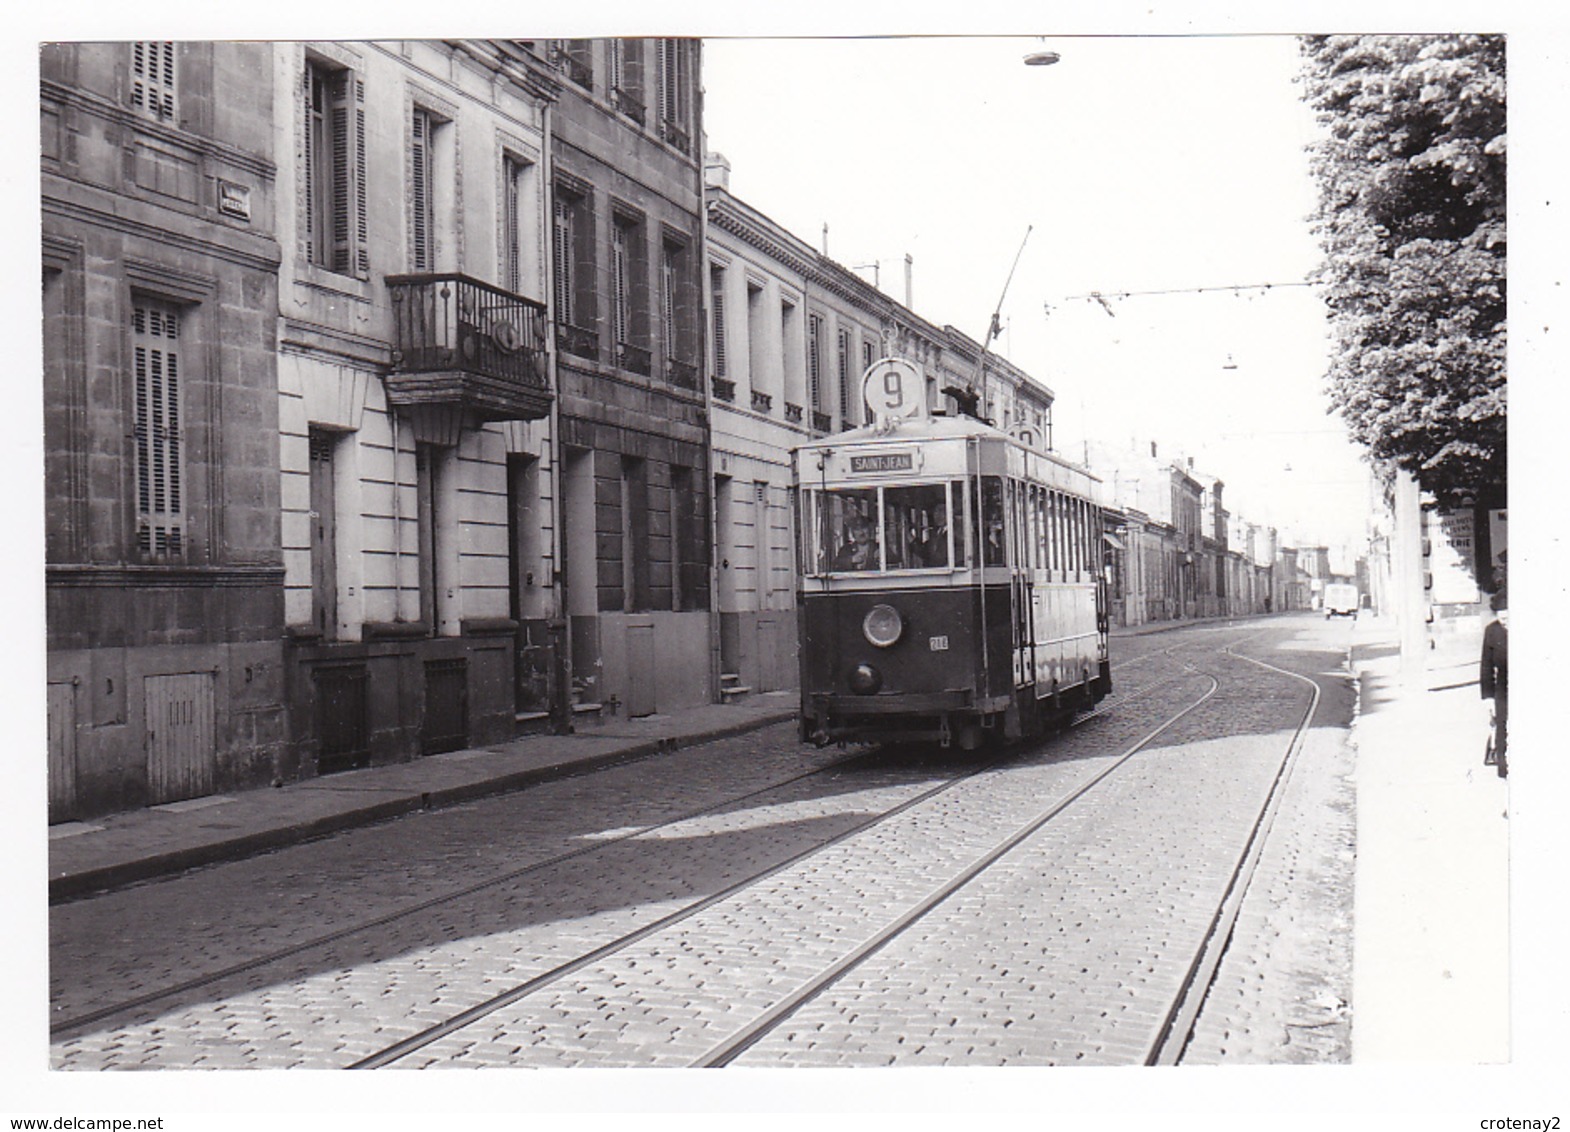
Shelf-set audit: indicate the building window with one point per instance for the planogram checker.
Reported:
(422, 192)
(324, 533)
(152, 78)
(675, 78)
(514, 173)
(673, 310)
(844, 376)
(574, 58)
(623, 238)
(335, 211)
(626, 77)
(160, 522)
(630, 296)
(815, 361)
(717, 317)
(572, 245)
(564, 249)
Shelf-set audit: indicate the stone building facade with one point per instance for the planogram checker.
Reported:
(164, 579)
(630, 274)
(413, 395)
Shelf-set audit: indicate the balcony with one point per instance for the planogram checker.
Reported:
(634, 358)
(673, 134)
(822, 422)
(762, 402)
(578, 341)
(680, 373)
(465, 344)
(792, 413)
(724, 390)
(628, 103)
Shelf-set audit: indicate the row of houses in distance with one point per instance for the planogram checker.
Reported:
(406, 396)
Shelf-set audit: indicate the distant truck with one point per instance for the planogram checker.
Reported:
(1341, 600)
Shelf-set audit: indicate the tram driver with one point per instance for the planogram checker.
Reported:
(860, 549)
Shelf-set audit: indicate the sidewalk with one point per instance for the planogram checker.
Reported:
(121, 849)
(1430, 979)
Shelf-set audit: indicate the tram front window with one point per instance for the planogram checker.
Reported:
(893, 528)
(916, 526)
(848, 531)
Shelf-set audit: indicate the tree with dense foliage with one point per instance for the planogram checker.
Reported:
(1411, 216)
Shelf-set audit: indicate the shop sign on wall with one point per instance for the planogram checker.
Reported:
(1452, 552)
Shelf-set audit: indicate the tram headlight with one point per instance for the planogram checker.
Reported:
(865, 680)
(882, 625)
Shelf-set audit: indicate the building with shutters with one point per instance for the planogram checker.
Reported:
(626, 241)
(163, 575)
(413, 399)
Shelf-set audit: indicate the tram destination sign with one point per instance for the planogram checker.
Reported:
(883, 462)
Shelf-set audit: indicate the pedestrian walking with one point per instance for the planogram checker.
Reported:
(1494, 680)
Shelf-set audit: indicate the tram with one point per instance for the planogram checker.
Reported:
(950, 582)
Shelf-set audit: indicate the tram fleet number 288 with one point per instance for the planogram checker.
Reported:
(950, 584)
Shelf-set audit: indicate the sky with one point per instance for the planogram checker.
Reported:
(1135, 164)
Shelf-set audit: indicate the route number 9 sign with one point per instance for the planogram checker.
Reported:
(894, 390)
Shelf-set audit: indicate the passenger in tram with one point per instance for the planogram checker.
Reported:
(860, 550)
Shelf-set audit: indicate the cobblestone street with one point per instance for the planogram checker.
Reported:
(635, 916)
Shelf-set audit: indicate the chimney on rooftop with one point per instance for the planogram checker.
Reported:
(716, 171)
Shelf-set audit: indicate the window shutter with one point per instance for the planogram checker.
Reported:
(152, 78)
(814, 362)
(362, 246)
(844, 375)
(512, 174)
(562, 248)
(617, 67)
(619, 280)
(420, 175)
(339, 115)
(313, 128)
(160, 526)
(717, 306)
(667, 67)
(668, 299)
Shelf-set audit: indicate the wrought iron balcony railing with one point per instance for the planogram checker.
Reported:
(456, 338)
(634, 358)
(822, 422)
(724, 390)
(629, 104)
(676, 136)
(577, 341)
(681, 373)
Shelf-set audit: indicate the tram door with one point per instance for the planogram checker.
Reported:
(1019, 573)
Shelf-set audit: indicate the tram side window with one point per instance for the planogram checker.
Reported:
(989, 524)
(848, 530)
(916, 526)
